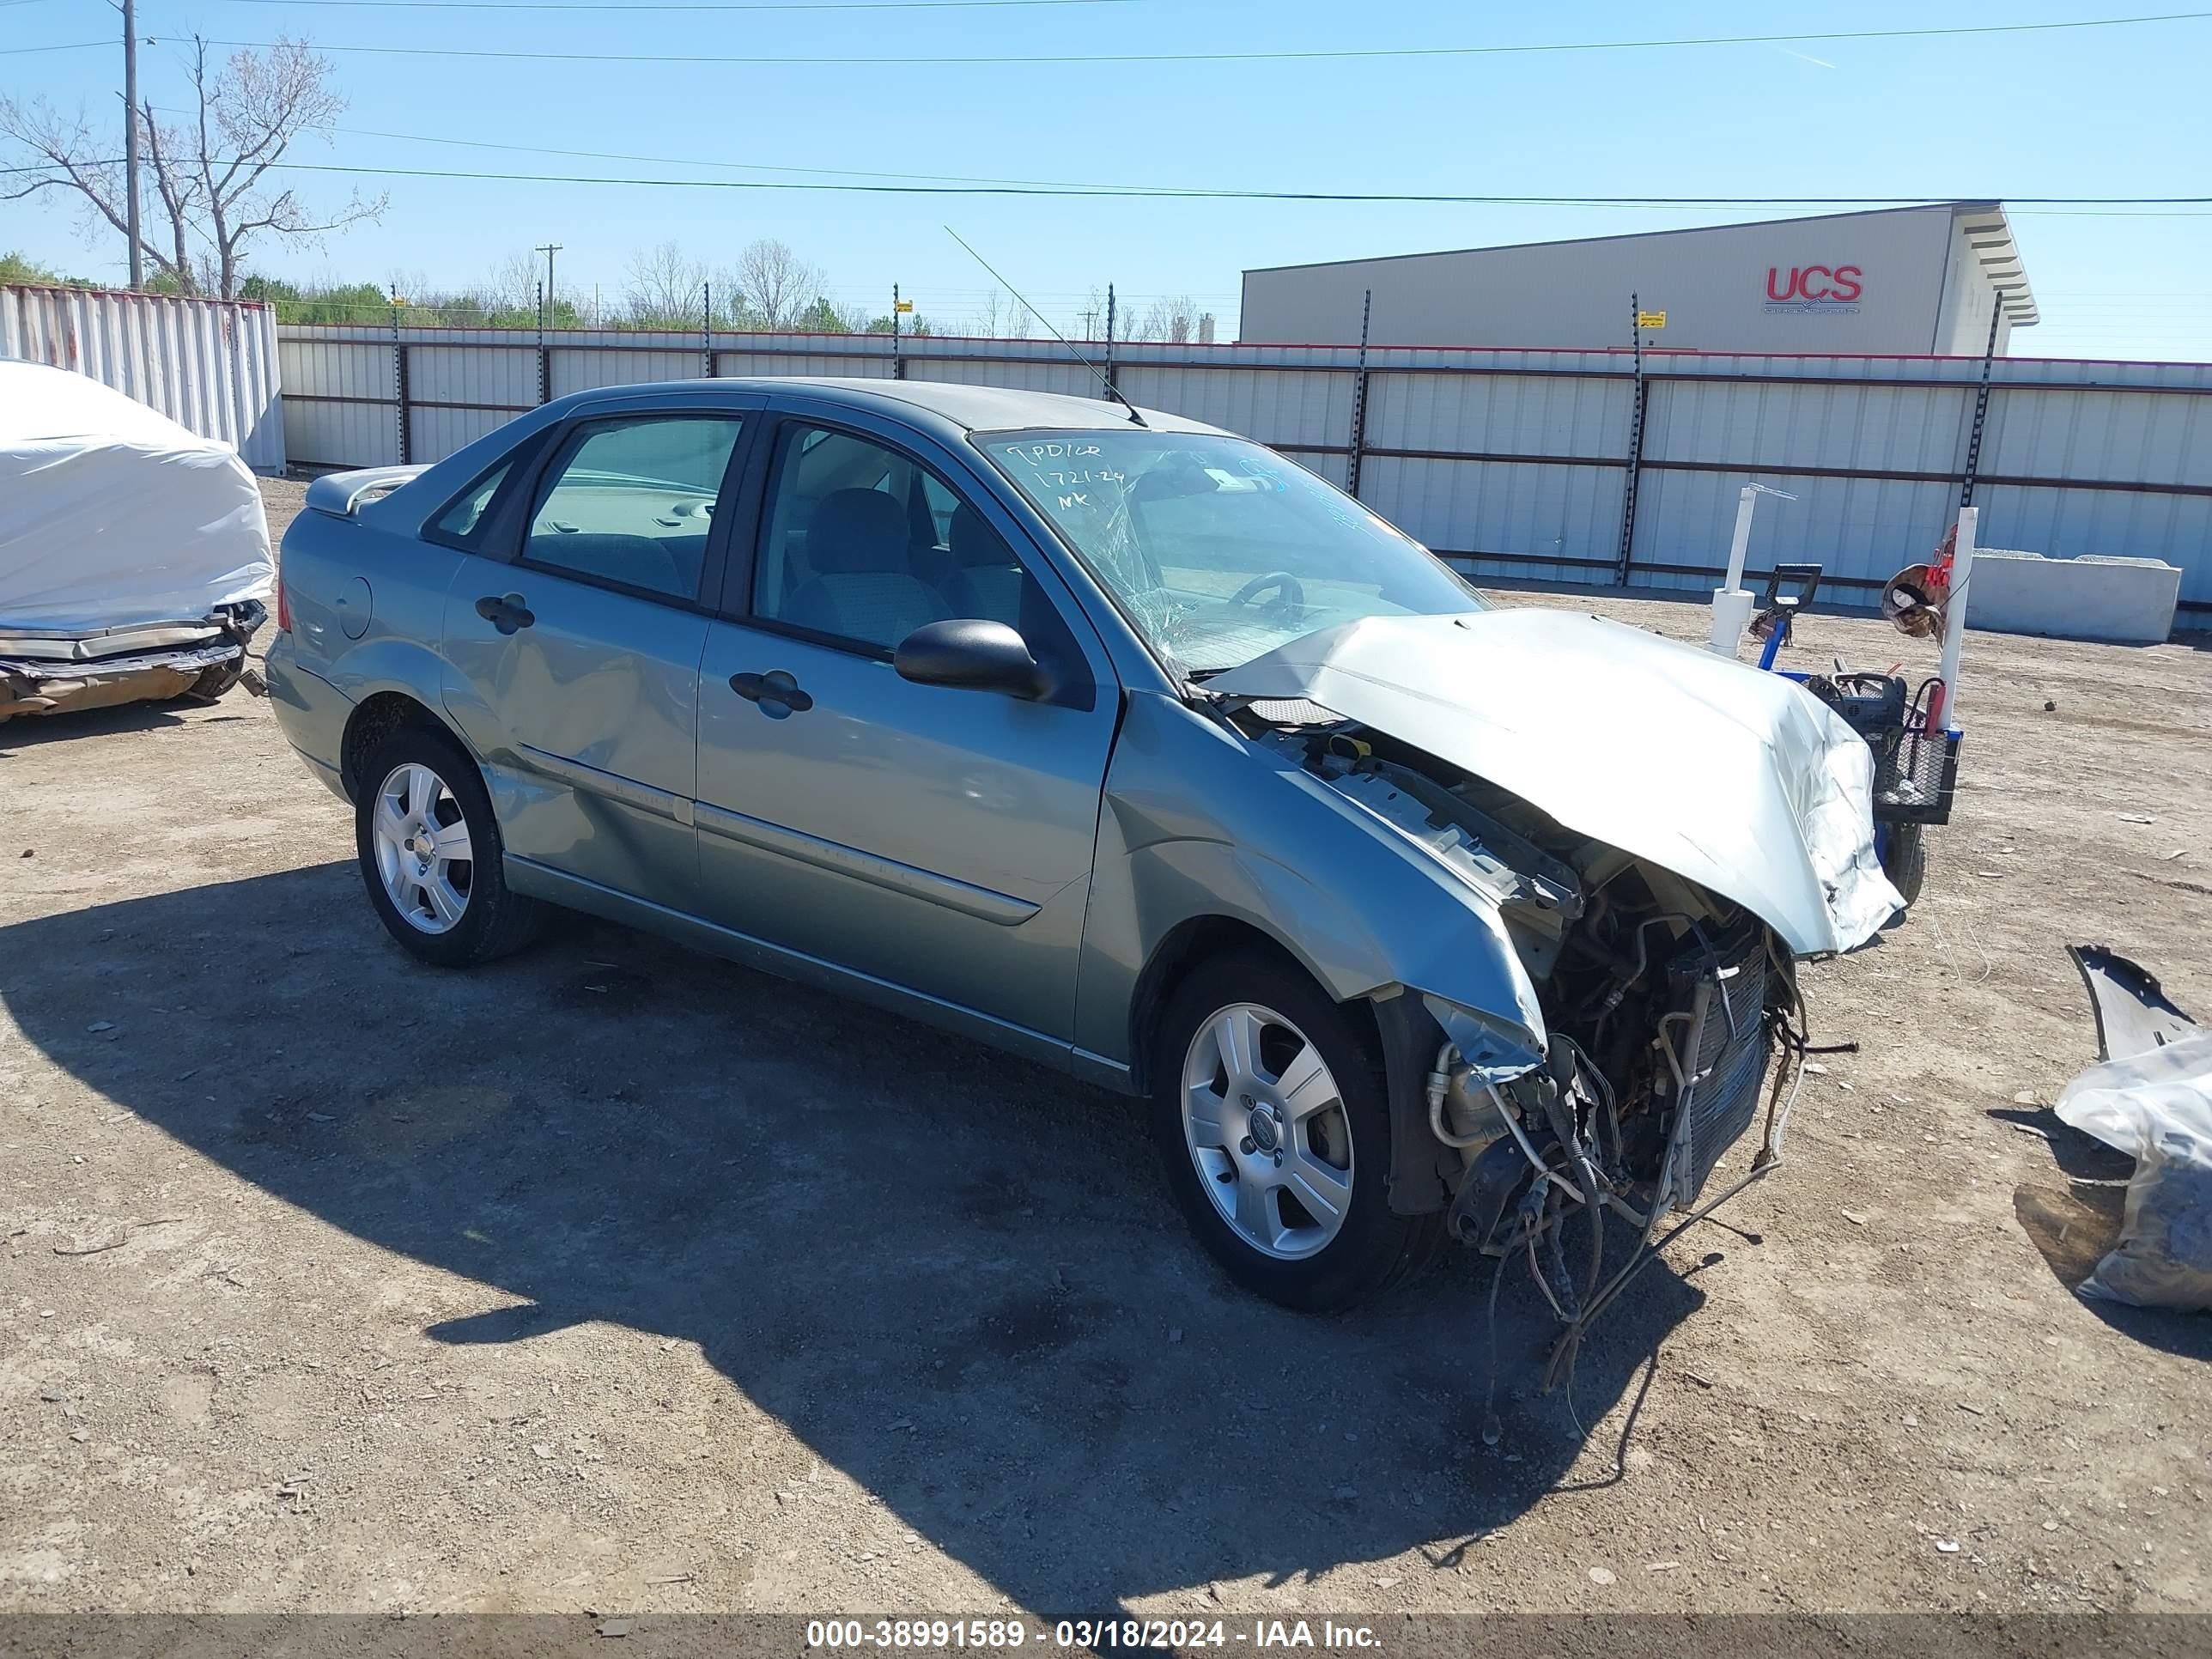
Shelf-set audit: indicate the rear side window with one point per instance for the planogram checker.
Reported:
(461, 521)
(631, 502)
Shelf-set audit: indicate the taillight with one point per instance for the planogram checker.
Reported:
(283, 608)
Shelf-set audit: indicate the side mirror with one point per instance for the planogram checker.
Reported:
(971, 655)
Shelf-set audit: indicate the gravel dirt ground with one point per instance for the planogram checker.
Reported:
(617, 1279)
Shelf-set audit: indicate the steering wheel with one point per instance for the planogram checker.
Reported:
(1291, 594)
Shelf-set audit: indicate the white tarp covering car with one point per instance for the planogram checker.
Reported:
(133, 555)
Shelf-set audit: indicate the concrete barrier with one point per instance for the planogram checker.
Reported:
(2130, 601)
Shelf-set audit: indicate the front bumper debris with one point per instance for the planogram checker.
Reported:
(47, 673)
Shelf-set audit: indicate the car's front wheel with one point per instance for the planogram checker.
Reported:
(431, 853)
(1273, 1120)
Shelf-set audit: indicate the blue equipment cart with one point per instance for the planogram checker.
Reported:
(1916, 751)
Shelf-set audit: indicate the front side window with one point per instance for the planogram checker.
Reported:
(865, 544)
(631, 502)
(1216, 548)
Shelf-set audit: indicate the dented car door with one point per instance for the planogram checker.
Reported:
(576, 656)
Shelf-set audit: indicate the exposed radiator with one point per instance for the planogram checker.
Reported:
(1724, 992)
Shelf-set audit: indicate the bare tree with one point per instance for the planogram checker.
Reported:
(1001, 316)
(733, 310)
(665, 289)
(514, 281)
(777, 284)
(1174, 319)
(208, 172)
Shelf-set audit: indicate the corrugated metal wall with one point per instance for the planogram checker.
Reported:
(209, 364)
(1519, 464)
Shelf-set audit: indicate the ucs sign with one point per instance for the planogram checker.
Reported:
(1815, 285)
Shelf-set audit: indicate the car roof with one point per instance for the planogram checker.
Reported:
(966, 408)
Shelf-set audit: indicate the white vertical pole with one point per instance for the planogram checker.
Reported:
(1731, 604)
(1954, 611)
(1742, 545)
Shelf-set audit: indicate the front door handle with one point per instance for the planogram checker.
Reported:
(506, 614)
(776, 692)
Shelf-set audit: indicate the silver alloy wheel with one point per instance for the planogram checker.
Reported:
(423, 851)
(1266, 1127)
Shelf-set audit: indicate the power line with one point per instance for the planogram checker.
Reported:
(1177, 192)
(974, 179)
(1318, 55)
(656, 5)
(1153, 192)
(1195, 191)
(689, 160)
(67, 45)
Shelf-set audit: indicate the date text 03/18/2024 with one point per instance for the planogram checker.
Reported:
(832, 1634)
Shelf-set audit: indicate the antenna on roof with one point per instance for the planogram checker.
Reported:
(1112, 391)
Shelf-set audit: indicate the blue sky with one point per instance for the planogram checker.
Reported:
(2101, 113)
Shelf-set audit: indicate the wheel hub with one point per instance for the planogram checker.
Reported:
(423, 858)
(1265, 1128)
(1267, 1132)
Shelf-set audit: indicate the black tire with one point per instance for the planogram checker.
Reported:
(495, 920)
(1905, 858)
(1374, 1250)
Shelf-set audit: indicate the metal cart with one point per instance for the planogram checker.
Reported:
(1914, 733)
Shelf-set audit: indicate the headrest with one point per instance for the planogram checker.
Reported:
(972, 540)
(857, 532)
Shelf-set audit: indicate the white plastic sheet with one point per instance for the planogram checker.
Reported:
(2156, 1107)
(112, 514)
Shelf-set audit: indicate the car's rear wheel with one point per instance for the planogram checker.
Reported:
(431, 855)
(1272, 1121)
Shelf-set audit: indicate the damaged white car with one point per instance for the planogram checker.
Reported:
(133, 555)
(1121, 743)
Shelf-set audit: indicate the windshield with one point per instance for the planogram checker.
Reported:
(1216, 548)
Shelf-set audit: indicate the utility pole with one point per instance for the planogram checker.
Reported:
(545, 304)
(131, 141)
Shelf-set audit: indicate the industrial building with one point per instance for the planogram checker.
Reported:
(1914, 282)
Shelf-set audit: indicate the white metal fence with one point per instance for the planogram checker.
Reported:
(1573, 467)
(209, 364)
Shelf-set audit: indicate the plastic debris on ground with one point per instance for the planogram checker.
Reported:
(2150, 1098)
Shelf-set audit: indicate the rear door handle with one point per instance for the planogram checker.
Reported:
(776, 692)
(506, 614)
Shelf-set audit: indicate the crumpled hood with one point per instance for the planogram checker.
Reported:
(1739, 780)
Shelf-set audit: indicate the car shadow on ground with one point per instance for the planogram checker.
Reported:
(957, 1277)
(26, 731)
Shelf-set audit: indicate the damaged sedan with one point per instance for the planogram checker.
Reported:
(1123, 743)
(133, 553)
